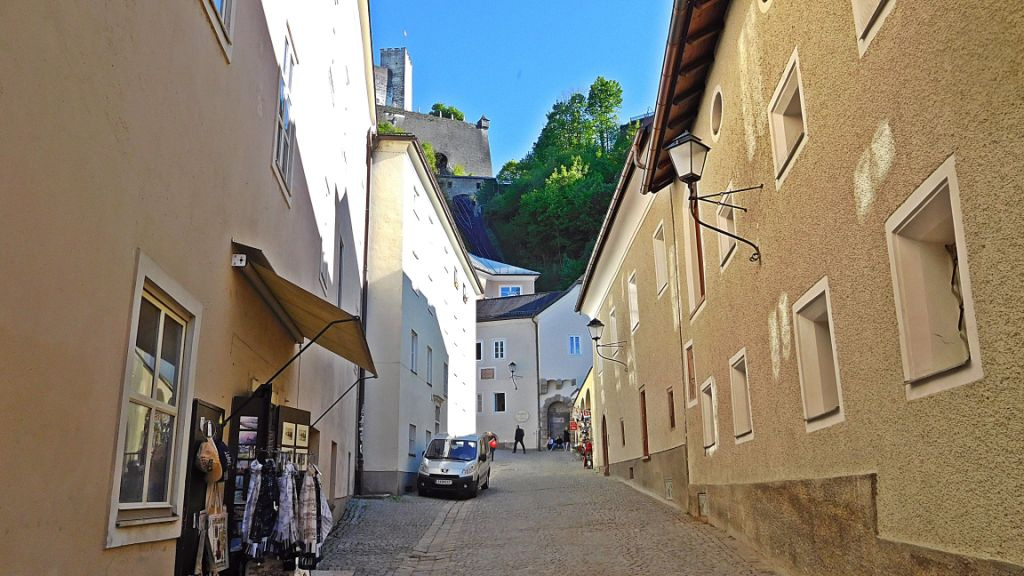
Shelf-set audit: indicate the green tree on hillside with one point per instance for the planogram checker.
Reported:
(430, 155)
(442, 110)
(549, 205)
(603, 103)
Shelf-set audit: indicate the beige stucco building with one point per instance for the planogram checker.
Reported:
(184, 200)
(851, 397)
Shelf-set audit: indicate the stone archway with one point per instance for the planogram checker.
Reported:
(554, 416)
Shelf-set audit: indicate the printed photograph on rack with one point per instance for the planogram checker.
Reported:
(249, 422)
(302, 435)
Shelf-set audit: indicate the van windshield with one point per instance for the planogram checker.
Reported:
(464, 450)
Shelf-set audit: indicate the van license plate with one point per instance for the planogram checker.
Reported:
(443, 482)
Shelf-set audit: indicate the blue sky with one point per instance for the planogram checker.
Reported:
(513, 60)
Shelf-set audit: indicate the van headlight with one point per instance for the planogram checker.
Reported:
(469, 469)
(424, 468)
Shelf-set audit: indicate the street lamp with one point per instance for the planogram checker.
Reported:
(512, 374)
(596, 328)
(688, 155)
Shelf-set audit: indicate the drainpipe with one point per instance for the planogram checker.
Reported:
(361, 391)
(536, 381)
(682, 347)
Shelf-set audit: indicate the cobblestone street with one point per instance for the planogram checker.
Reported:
(543, 514)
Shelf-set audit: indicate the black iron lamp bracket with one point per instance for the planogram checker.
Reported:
(615, 345)
(694, 198)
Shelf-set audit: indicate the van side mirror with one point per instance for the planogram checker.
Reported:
(483, 457)
(424, 453)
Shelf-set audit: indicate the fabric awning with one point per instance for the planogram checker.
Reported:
(302, 313)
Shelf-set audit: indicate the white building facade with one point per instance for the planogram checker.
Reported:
(565, 356)
(532, 352)
(422, 292)
(324, 117)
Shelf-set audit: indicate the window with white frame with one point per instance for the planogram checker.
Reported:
(414, 344)
(726, 221)
(499, 349)
(222, 18)
(479, 351)
(742, 423)
(786, 118)
(499, 401)
(931, 280)
(660, 259)
(412, 439)
(867, 18)
(284, 135)
(430, 366)
(479, 403)
(155, 402)
(709, 414)
(444, 375)
(427, 437)
(505, 291)
(634, 302)
(574, 345)
(437, 419)
(816, 357)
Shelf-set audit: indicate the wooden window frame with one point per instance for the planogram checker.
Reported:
(135, 523)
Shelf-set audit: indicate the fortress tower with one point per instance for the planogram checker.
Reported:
(399, 77)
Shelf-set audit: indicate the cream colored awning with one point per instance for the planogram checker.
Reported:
(302, 313)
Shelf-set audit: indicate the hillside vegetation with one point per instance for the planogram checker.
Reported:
(549, 205)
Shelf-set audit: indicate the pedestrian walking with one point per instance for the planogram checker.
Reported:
(565, 439)
(520, 433)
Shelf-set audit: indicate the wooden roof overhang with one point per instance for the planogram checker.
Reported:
(693, 37)
(693, 34)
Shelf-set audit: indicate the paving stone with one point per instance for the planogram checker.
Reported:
(544, 514)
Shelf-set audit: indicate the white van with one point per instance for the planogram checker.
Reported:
(459, 465)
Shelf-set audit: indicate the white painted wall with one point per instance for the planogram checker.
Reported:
(333, 110)
(332, 103)
(555, 324)
(415, 262)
